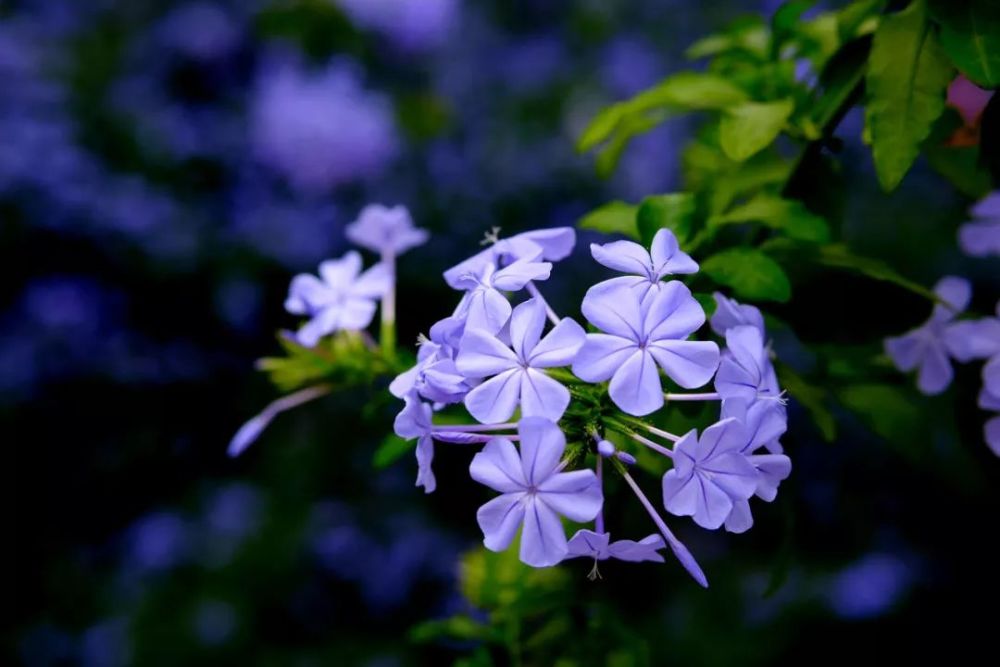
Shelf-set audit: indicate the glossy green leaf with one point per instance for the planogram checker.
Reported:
(970, 34)
(672, 211)
(749, 273)
(750, 127)
(616, 217)
(787, 216)
(908, 76)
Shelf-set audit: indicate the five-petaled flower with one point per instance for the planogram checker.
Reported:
(549, 245)
(637, 337)
(386, 231)
(745, 371)
(710, 474)
(647, 267)
(340, 299)
(484, 306)
(535, 492)
(516, 378)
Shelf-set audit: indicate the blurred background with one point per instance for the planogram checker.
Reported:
(166, 167)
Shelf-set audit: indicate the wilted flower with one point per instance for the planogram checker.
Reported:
(600, 547)
(638, 337)
(535, 492)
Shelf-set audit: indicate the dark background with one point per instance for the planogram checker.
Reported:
(152, 216)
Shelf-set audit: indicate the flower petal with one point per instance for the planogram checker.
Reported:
(575, 495)
(515, 276)
(559, 347)
(495, 400)
(672, 313)
(425, 456)
(542, 445)
(614, 311)
(487, 309)
(954, 291)
(635, 387)
(935, 370)
(482, 355)
(588, 543)
(689, 363)
(601, 355)
(667, 256)
(729, 313)
(680, 493)
(373, 283)
(973, 339)
(991, 431)
(907, 350)
(305, 294)
(624, 256)
(773, 469)
(340, 273)
(636, 552)
(543, 541)
(740, 520)
(541, 396)
(526, 324)
(498, 466)
(499, 520)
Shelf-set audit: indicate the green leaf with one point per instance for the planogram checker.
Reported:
(814, 399)
(859, 18)
(887, 410)
(788, 216)
(749, 273)
(458, 627)
(908, 76)
(970, 34)
(752, 126)
(672, 211)
(391, 450)
(616, 217)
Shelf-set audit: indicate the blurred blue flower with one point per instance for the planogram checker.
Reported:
(106, 644)
(159, 541)
(200, 30)
(629, 64)
(869, 587)
(410, 25)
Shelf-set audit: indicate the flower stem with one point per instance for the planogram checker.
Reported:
(474, 428)
(656, 447)
(599, 521)
(682, 553)
(387, 333)
(711, 396)
(535, 293)
(251, 430)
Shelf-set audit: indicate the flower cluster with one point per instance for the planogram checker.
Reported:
(945, 336)
(557, 407)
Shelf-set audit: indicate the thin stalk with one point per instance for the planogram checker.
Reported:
(709, 396)
(388, 330)
(535, 293)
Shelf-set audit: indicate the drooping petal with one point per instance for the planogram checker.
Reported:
(495, 400)
(498, 466)
(729, 313)
(635, 387)
(559, 347)
(667, 256)
(601, 355)
(689, 363)
(482, 355)
(637, 552)
(425, 457)
(773, 469)
(520, 273)
(541, 396)
(907, 350)
(499, 520)
(616, 312)
(740, 520)
(624, 256)
(340, 273)
(935, 370)
(373, 283)
(576, 495)
(414, 420)
(543, 541)
(542, 445)
(672, 313)
(765, 422)
(588, 543)
(526, 324)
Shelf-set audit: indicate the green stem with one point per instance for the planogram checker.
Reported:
(387, 334)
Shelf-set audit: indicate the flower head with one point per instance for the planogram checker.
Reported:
(484, 305)
(435, 376)
(745, 371)
(980, 236)
(647, 267)
(709, 474)
(925, 348)
(515, 375)
(387, 231)
(730, 313)
(534, 492)
(340, 299)
(639, 336)
(600, 547)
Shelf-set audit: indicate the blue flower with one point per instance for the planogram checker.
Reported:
(980, 236)
(745, 371)
(484, 305)
(730, 313)
(386, 231)
(640, 336)
(648, 267)
(600, 547)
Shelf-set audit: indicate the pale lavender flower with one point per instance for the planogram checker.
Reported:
(599, 547)
(386, 231)
(535, 493)
(435, 376)
(341, 300)
(745, 371)
(925, 348)
(980, 236)
(515, 375)
(412, 25)
(730, 313)
(710, 474)
(647, 267)
(638, 337)
(966, 340)
(321, 129)
(764, 422)
(484, 305)
(550, 245)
